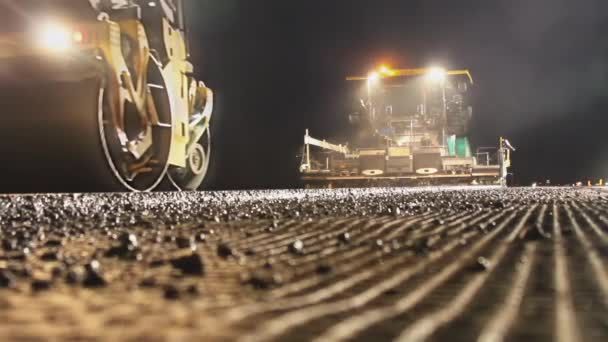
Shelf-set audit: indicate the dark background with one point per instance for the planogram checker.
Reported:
(278, 67)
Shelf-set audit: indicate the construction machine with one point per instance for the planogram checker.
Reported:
(100, 95)
(410, 127)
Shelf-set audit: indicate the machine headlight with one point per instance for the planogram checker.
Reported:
(373, 78)
(58, 38)
(436, 75)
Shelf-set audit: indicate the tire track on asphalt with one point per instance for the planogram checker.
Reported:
(281, 325)
(352, 326)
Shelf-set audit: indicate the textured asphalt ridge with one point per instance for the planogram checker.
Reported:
(406, 264)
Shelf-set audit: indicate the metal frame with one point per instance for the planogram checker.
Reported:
(497, 172)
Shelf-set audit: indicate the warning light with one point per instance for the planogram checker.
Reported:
(386, 70)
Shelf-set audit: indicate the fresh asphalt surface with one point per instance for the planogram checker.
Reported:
(457, 264)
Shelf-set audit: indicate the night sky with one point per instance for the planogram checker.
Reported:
(278, 67)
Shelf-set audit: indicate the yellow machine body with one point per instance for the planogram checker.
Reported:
(182, 90)
(123, 43)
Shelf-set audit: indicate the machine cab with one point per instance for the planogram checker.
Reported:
(414, 107)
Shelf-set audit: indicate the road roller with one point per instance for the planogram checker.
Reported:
(408, 127)
(100, 95)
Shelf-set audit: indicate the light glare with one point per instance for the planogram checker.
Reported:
(373, 76)
(386, 70)
(55, 37)
(436, 74)
(78, 37)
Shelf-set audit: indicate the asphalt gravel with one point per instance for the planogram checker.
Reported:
(326, 265)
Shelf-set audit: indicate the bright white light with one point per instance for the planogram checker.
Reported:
(436, 75)
(55, 37)
(373, 78)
